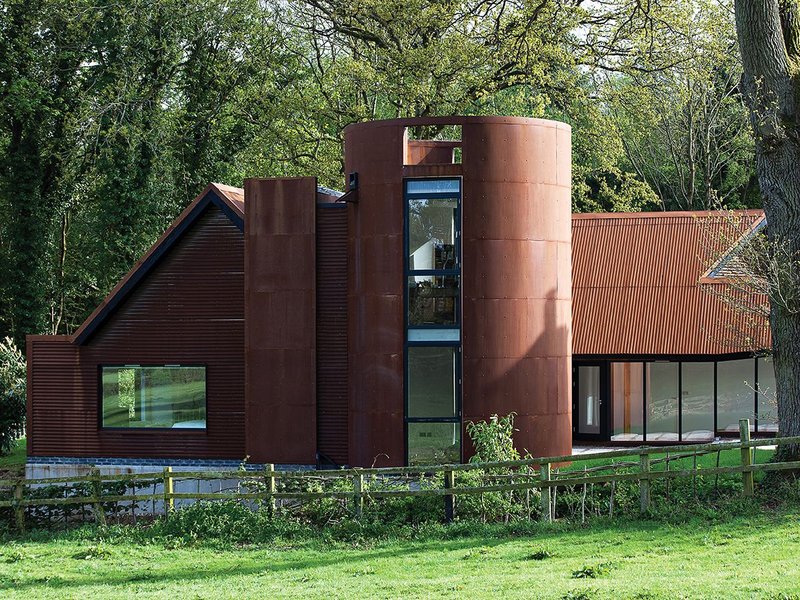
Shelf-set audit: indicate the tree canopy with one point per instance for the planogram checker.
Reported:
(115, 115)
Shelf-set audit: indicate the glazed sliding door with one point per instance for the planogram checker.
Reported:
(588, 404)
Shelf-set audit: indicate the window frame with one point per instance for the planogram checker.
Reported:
(456, 344)
(456, 272)
(714, 361)
(178, 430)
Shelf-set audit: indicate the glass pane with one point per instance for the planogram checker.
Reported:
(697, 380)
(431, 382)
(434, 443)
(627, 397)
(735, 393)
(589, 400)
(172, 397)
(662, 402)
(432, 234)
(767, 398)
(433, 186)
(434, 335)
(432, 300)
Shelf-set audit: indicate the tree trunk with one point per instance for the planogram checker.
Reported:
(779, 178)
(768, 32)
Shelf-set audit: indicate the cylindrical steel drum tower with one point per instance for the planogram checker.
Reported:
(465, 267)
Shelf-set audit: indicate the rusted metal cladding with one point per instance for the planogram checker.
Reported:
(516, 251)
(280, 339)
(188, 310)
(332, 421)
(516, 277)
(375, 294)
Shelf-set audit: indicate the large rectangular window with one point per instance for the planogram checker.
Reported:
(433, 320)
(154, 397)
(662, 402)
(735, 394)
(627, 391)
(697, 404)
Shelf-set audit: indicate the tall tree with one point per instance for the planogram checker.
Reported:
(769, 41)
(685, 129)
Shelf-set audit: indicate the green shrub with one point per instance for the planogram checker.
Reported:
(592, 571)
(13, 381)
(493, 439)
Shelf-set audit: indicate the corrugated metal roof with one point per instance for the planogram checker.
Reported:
(636, 286)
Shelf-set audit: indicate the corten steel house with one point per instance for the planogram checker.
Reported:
(291, 324)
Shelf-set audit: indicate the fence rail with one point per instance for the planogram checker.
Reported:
(540, 476)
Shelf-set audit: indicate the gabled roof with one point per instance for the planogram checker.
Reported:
(229, 200)
(729, 265)
(636, 287)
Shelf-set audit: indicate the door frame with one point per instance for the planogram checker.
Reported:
(604, 434)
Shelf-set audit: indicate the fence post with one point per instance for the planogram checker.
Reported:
(644, 482)
(269, 475)
(97, 486)
(747, 456)
(449, 499)
(358, 498)
(169, 501)
(547, 507)
(19, 509)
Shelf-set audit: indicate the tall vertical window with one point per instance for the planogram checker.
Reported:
(662, 402)
(627, 392)
(735, 394)
(433, 320)
(766, 396)
(697, 401)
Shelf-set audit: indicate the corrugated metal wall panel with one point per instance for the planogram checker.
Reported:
(188, 310)
(332, 424)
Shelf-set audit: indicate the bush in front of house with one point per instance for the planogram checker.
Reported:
(12, 395)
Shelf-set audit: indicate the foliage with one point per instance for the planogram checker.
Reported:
(684, 128)
(13, 382)
(493, 440)
(592, 571)
(541, 554)
(114, 116)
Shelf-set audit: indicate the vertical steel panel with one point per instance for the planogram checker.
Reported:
(375, 295)
(280, 305)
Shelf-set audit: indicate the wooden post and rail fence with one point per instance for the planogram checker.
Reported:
(538, 474)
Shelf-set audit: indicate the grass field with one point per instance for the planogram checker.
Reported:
(753, 557)
(17, 456)
(727, 458)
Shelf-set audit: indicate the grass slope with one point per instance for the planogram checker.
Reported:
(752, 557)
(16, 457)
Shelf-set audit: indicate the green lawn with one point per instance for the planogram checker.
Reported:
(752, 557)
(727, 458)
(17, 456)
